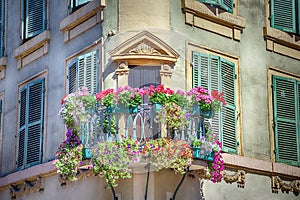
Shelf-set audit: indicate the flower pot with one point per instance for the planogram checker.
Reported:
(196, 110)
(121, 109)
(198, 155)
(157, 106)
(87, 153)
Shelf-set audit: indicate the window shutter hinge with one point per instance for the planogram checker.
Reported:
(237, 143)
(271, 17)
(233, 5)
(235, 76)
(276, 151)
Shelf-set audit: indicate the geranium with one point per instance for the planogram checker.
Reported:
(159, 94)
(179, 98)
(107, 97)
(77, 107)
(128, 96)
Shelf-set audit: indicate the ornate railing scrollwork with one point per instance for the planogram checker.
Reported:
(27, 186)
(284, 186)
(239, 177)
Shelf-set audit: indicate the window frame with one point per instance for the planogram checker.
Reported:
(72, 8)
(228, 57)
(41, 77)
(220, 4)
(275, 72)
(24, 25)
(74, 58)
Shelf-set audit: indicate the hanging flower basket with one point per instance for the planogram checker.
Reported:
(87, 153)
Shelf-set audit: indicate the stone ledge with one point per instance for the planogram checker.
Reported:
(199, 15)
(281, 42)
(260, 166)
(37, 170)
(81, 17)
(27, 51)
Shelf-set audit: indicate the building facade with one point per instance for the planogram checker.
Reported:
(250, 50)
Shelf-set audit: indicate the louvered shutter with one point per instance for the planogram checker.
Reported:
(283, 15)
(87, 71)
(31, 125)
(224, 4)
(74, 4)
(22, 129)
(35, 123)
(72, 77)
(35, 17)
(286, 120)
(2, 27)
(81, 2)
(229, 133)
(196, 69)
(227, 5)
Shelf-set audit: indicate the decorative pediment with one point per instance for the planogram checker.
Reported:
(144, 48)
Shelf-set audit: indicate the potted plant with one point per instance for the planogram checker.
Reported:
(203, 103)
(77, 108)
(130, 98)
(111, 160)
(159, 95)
(69, 156)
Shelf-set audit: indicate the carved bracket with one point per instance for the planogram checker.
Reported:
(239, 177)
(284, 186)
(26, 187)
(122, 69)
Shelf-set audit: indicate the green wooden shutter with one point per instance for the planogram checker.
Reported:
(35, 17)
(2, 27)
(31, 125)
(283, 15)
(228, 114)
(22, 136)
(196, 68)
(224, 4)
(286, 119)
(35, 123)
(73, 4)
(87, 71)
(72, 77)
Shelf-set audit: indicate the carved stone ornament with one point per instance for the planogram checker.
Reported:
(122, 69)
(201, 192)
(144, 49)
(239, 177)
(165, 70)
(285, 186)
(26, 187)
(201, 173)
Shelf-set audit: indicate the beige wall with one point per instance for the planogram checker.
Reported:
(143, 14)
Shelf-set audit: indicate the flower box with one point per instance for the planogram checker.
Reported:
(121, 109)
(197, 154)
(196, 110)
(87, 153)
(157, 106)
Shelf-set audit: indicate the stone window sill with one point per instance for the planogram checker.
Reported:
(282, 42)
(82, 19)
(223, 23)
(32, 49)
(3, 62)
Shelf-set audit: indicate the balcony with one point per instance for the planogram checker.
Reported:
(116, 133)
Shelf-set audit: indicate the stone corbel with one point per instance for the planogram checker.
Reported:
(165, 71)
(26, 186)
(284, 186)
(239, 177)
(122, 69)
(201, 173)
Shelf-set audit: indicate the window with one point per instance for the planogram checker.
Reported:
(34, 18)
(215, 73)
(224, 4)
(30, 133)
(284, 15)
(2, 27)
(286, 108)
(83, 71)
(76, 4)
